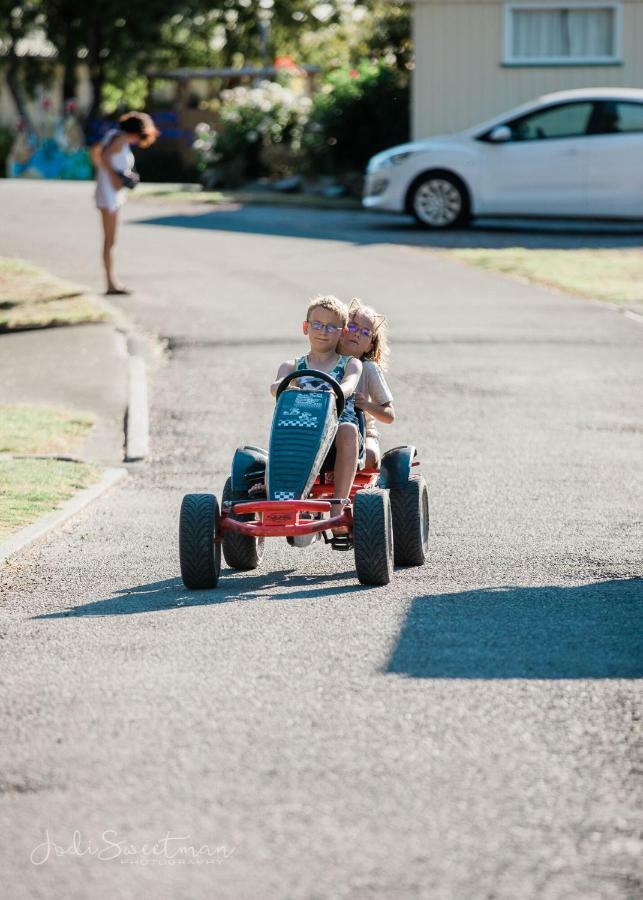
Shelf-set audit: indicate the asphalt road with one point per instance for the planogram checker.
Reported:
(471, 731)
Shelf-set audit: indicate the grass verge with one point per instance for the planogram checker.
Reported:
(195, 194)
(30, 488)
(603, 274)
(41, 429)
(32, 298)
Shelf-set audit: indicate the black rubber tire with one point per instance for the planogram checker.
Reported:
(199, 555)
(240, 551)
(373, 536)
(410, 509)
(463, 216)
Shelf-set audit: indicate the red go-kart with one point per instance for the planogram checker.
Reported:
(285, 492)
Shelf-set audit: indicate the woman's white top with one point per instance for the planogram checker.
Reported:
(107, 197)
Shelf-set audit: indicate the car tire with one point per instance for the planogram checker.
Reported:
(199, 555)
(373, 536)
(439, 200)
(241, 551)
(410, 510)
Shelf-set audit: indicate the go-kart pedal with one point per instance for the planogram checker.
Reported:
(341, 542)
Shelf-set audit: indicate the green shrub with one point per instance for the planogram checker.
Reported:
(260, 132)
(357, 113)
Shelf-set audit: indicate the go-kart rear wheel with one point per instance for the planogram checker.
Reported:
(199, 555)
(240, 550)
(373, 536)
(410, 508)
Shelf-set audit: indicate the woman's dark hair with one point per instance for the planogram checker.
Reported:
(141, 124)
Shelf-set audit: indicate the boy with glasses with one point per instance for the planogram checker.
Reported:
(326, 319)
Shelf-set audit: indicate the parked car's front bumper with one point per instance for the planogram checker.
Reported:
(383, 192)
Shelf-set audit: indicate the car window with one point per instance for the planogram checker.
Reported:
(615, 117)
(568, 120)
(630, 116)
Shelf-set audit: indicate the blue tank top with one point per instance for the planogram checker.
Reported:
(338, 372)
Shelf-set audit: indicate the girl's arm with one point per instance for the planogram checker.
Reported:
(383, 412)
(351, 377)
(284, 369)
(379, 401)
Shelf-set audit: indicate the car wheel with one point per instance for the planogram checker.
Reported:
(439, 200)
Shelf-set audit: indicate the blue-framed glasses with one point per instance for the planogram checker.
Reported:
(320, 326)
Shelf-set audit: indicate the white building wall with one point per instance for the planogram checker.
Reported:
(459, 77)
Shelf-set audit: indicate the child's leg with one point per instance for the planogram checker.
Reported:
(373, 452)
(346, 453)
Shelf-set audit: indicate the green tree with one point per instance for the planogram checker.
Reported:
(17, 21)
(109, 35)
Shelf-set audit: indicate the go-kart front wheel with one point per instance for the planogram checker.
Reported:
(241, 551)
(373, 536)
(410, 508)
(199, 555)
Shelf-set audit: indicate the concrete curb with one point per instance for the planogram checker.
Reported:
(41, 527)
(139, 348)
(137, 421)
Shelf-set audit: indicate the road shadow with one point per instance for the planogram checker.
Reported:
(587, 631)
(365, 228)
(159, 596)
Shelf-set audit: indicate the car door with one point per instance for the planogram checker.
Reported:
(541, 168)
(615, 160)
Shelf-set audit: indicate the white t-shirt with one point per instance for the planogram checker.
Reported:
(374, 387)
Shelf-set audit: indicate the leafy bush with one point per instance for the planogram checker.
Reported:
(357, 113)
(260, 132)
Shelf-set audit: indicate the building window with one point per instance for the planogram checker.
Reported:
(569, 34)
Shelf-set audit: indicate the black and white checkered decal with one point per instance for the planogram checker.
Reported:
(284, 495)
(300, 420)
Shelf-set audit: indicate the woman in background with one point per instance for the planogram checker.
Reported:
(114, 162)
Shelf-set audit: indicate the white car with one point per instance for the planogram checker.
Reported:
(575, 153)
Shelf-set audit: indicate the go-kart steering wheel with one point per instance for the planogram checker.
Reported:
(321, 376)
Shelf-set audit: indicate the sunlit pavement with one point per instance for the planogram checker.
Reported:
(469, 731)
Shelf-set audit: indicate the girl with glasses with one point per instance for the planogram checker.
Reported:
(365, 338)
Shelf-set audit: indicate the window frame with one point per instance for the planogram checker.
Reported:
(614, 60)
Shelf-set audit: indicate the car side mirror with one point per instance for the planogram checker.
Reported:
(500, 134)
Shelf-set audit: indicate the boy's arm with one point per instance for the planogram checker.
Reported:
(351, 377)
(284, 369)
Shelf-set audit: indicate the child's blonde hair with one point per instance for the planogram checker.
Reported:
(329, 302)
(379, 351)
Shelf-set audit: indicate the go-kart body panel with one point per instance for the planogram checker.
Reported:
(303, 429)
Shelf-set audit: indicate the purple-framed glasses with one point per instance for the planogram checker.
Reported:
(355, 329)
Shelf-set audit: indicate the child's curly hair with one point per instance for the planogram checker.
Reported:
(379, 351)
(329, 302)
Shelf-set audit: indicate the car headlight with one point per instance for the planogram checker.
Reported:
(395, 160)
